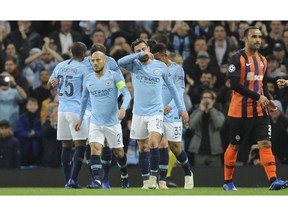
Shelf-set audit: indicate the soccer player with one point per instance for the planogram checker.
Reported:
(249, 109)
(102, 88)
(172, 122)
(148, 76)
(68, 77)
(106, 154)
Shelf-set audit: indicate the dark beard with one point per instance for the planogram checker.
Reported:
(144, 59)
(99, 71)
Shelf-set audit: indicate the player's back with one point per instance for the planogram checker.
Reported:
(70, 74)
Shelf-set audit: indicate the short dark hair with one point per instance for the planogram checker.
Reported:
(32, 99)
(98, 47)
(158, 48)
(97, 30)
(248, 29)
(78, 48)
(11, 58)
(151, 43)
(211, 92)
(136, 42)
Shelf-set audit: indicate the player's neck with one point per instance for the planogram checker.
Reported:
(101, 73)
(168, 62)
(251, 52)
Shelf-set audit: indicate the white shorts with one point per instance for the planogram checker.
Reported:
(87, 116)
(66, 127)
(142, 125)
(113, 135)
(173, 131)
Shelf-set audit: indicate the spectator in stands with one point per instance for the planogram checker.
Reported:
(206, 82)
(64, 38)
(219, 44)
(203, 29)
(98, 36)
(29, 135)
(242, 25)
(279, 52)
(279, 136)
(206, 122)
(44, 107)
(144, 35)
(106, 27)
(42, 92)
(273, 68)
(9, 147)
(47, 58)
(51, 146)
(11, 95)
(200, 45)
(180, 39)
(25, 38)
(10, 51)
(274, 36)
(10, 66)
(285, 41)
(3, 44)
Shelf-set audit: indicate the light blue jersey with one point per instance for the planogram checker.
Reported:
(103, 93)
(70, 74)
(177, 77)
(111, 64)
(147, 80)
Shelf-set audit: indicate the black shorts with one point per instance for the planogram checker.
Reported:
(249, 130)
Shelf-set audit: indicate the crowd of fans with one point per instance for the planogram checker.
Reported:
(29, 51)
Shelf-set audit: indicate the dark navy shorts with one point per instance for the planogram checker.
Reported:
(249, 130)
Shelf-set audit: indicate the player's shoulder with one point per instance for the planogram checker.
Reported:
(114, 74)
(174, 65)
(65, 62)
(110, 72)
(109, 58)
(86, 60)
(238, 54)
(88, 75)
(159, 63)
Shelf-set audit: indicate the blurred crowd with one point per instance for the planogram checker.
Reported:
(29, 51)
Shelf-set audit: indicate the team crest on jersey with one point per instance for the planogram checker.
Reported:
(108, 82)
(231, 68)
(261, 64)
(157, 72)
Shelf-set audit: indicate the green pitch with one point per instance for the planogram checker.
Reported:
(211, 191)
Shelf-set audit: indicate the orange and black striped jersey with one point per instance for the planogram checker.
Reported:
(250, 70)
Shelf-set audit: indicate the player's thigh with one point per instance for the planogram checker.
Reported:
(262, 129)
(114, 136)
(96, 134)
(63, 129)
(173, 131)
(138, 128)
(154, 123)
(82, 134)
(237, 130)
